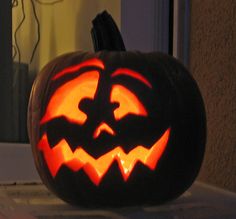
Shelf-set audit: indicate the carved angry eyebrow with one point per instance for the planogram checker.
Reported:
(131, 73)
(88, 63)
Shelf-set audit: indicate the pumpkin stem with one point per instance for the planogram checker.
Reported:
(105, 33)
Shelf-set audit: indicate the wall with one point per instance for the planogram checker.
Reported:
(213, 64)
(145, 26)
(64, 27)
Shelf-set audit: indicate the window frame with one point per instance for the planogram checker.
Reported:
(6, 76)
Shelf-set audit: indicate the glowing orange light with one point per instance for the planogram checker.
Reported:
(64, 102)
(128, 102)
(103, 127)
(92, 62)
(134, 74)
(61, 154)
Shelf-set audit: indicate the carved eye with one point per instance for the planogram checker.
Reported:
(66, 98)
(128, 102)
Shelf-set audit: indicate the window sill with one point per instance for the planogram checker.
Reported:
(16, 164)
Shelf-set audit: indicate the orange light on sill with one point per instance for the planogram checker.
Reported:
(128, 102)
(65, 100)
(89, 63)
(103, 127)
(61, 154)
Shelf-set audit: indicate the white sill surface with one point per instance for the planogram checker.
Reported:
(201, 201)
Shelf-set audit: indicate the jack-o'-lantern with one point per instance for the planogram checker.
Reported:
(116, 128)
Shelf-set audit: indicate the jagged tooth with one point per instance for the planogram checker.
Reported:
(97, 168)
(93, 173)
(157, 150)
(53, 163)
(126, 163)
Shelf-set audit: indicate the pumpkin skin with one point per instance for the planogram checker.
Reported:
(160, 103)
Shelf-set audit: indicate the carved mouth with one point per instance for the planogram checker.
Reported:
(62, 154)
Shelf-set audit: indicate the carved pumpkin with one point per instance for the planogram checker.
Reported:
(116, 128)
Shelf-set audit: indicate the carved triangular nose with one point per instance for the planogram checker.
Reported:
(103, 127)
